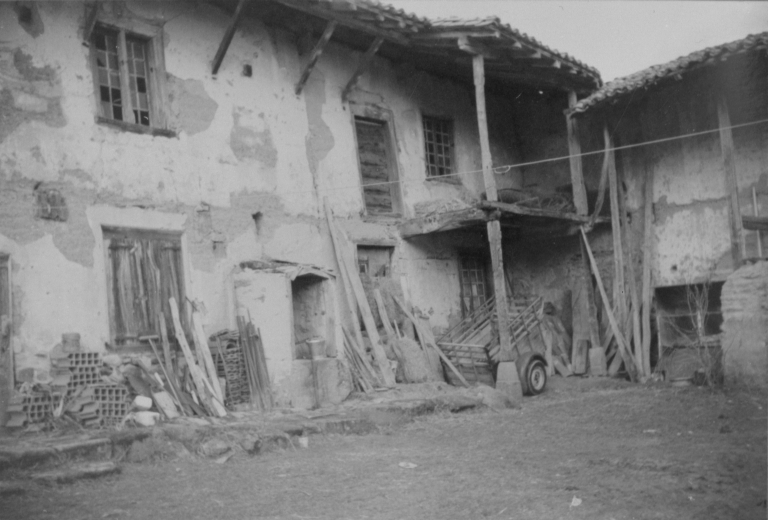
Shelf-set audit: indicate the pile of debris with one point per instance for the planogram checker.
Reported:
(108, 390)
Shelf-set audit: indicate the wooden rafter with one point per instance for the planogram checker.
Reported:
(228, 35)
(365, 62)
(314, 55)
(347, 21)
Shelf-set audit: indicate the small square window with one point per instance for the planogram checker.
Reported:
(438, 146)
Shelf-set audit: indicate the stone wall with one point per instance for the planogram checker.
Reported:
(745, 326)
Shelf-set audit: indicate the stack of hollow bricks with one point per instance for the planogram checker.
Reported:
(76, 376)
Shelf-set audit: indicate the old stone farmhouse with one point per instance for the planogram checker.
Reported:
(197, 150)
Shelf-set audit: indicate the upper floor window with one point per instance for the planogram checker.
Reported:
(438, 146)
(128, 71)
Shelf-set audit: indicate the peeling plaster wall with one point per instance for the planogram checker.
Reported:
(691, 222)
(242, 176)
(745, 326)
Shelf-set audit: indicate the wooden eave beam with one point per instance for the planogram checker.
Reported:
(315, 55)
(439, 222)
(301, 5)
(227, 39)
(451, 36)
(516, 209)
(365, 62)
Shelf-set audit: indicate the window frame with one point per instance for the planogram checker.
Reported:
(452, 147)
(385, 116)
(479, 259)
(152, 37)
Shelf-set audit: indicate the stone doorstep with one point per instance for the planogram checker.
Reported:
(359, 421)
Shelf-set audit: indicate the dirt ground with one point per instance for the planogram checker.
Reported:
(579, 451)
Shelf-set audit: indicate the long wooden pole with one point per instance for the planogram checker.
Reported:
(618, 251)
(623, 348)
(580, 201)
(738, 248)
(647, 252)
(494, 226)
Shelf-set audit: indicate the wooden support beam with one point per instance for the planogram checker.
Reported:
(633, 293)
(738, 248)
(574, 151)
(314, 55)
(346, 20)
(365, 62)
(623, 348)
(228, 35)
(494, 228)
(618, 250)
(478, 70)
(582, 209)
(647, 255)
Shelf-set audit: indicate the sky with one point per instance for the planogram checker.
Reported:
(615, 36)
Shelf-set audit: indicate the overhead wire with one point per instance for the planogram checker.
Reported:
(505, 168)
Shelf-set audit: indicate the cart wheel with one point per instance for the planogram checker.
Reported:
(536, 377)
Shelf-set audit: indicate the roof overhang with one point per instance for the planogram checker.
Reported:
(528, 220)
(441, 47)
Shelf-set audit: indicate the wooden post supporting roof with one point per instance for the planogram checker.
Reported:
(365, 62)
(227, 39)
(618, 250)
(574, 151)
(580, 201)
(314, 55)
(738, 248)
(494, 227)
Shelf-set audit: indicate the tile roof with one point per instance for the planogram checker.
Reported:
(408, 28)
(494, 23)
(651, 76)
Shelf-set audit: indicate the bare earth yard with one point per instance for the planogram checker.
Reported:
(630, 452)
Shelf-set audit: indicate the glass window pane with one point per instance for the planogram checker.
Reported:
(100, 41)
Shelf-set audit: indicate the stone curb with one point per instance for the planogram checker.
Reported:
(356, 422)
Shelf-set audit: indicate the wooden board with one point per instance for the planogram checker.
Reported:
(210, 403)
(345, 254)
(738, 247)
(647, 289)
(628, 360)
(205, 354)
